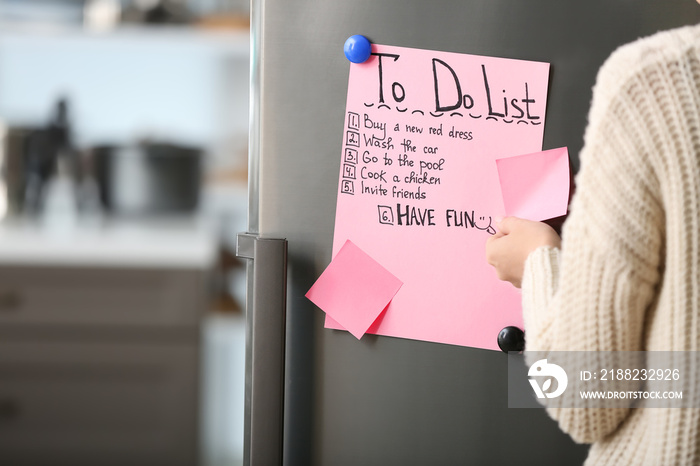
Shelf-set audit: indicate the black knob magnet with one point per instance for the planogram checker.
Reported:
(511, 339)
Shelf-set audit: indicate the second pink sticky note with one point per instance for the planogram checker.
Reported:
(535, 186)
(354, 289)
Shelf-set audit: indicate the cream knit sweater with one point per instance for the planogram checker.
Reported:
(628, 274)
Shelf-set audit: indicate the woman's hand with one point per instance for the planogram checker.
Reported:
(514, 240)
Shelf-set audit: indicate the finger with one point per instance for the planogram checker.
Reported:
(505, 226)
(490, 250)
(498, 234)
(509, 224)
(497, 220)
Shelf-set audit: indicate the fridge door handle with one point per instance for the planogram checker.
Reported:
(266, 297)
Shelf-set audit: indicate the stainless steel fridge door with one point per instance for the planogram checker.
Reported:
(390, 401)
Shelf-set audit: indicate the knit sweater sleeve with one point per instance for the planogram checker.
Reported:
(593, 293)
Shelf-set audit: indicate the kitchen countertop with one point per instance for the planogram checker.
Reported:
(162, 243)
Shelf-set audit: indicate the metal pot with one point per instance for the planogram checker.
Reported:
(148, 178)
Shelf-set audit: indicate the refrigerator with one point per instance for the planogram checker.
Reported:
(317, 396)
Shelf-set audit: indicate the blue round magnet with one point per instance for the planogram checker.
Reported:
(357, 48)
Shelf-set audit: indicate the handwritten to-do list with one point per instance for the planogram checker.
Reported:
(419, 188)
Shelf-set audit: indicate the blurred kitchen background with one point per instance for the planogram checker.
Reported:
(123, 147)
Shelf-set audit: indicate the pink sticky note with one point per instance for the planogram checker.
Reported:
(535, 186)
(354, 289)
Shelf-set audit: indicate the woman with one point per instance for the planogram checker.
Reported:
(626, 274)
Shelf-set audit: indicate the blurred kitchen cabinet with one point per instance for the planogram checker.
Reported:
(183, 85)
(100, 365)
(85, 296)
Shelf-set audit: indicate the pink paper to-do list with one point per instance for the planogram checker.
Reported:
(535, 186)
(418, 187)
(354, 289)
